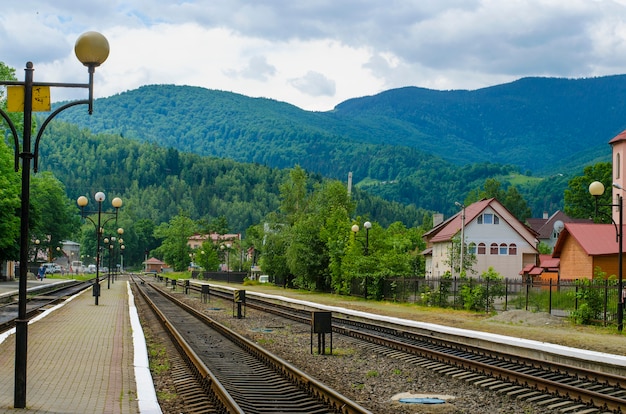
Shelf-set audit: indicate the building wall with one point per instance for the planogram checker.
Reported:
(608, 264)
(507, 265)
(575, 263)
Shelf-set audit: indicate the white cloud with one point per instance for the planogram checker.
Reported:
(314, 84)
(317, 54)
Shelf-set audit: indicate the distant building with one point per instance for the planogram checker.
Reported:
(496, 238)
(196, 240)
(154, 265)
(549, 227)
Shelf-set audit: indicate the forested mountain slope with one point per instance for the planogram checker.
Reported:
(411, 145)
(544, 125)
(567, 121)
(157, 183)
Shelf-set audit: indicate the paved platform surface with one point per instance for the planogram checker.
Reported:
(82, 358)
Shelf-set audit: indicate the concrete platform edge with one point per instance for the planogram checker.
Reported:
(146, 394)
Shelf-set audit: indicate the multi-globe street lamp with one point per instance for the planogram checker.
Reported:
(82, 202)
(367, 226)
(28, 96)
(110, 243)
(596, 189)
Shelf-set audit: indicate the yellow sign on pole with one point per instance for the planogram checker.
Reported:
(15, 98)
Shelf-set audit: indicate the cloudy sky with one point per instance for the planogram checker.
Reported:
(316, 53)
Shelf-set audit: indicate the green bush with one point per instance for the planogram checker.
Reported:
(481, 296)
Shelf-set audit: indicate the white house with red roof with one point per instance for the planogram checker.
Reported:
(494, 235)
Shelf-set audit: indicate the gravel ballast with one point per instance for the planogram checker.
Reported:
(373, 380)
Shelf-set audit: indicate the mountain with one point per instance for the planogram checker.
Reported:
(538, 124)
(567, 122)
(410, 145)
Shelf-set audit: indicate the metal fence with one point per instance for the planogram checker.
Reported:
(560, 298)
(229, 277)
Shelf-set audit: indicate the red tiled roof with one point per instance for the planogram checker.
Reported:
(527, 268)
(595, 239)
(547, 261)
(154, 260)
(446, 231)
(449, 228)
(619, 137)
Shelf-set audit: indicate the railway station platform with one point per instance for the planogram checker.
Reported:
(82, 358)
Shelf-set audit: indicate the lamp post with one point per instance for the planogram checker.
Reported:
(355, 229)
(122, 247)
(82, 203)
(110, 248)
(367, 226)
(120, 241)
(462, 207)
(226, 247)
(91, 49)
(596, 189)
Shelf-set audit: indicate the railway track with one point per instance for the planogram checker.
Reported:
(574, 389)
(233, 375)
(38, 302)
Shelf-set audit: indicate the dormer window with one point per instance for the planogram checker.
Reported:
(488, 218)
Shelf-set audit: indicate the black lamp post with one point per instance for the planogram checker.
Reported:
(355, 229)
(82, 203)
(91, 49)
(596, 189)
(367, 226)
(110, 248)
(120, 241)
(462, 207)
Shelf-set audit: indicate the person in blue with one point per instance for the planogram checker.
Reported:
(41, 273)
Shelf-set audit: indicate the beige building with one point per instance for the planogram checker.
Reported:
(491, 233)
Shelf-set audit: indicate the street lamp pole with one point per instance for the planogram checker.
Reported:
(596, 189)
(82, 203)
(462, 207)
(355, 229)
(91, 49)
(367, 226)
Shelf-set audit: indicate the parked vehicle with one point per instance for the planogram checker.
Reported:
(52, 268)
(77, 267)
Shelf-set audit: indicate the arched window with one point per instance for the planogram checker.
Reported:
(493, 249)
(482, 248)
(512, 249)
(471, 249)
(504, 249)
(618, 165)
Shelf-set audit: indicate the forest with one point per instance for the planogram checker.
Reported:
(188, 160)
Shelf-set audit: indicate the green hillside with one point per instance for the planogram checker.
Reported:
(538, 124)
(409, 145)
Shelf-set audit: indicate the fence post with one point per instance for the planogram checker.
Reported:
(487, 296)
(550, 299)
(417, 288)
(506, 294)
(456, 287)
(606, 300)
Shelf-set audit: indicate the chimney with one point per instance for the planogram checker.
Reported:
(437, 219)
(545, 215)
